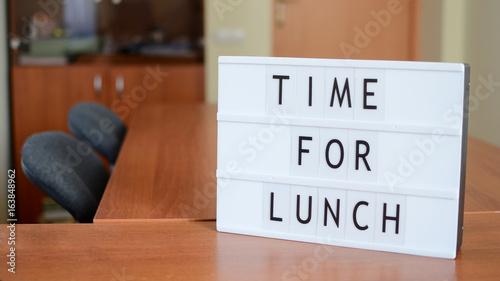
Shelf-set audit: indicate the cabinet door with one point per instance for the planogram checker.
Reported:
(134, 85)
(41, 100)
(90, 83)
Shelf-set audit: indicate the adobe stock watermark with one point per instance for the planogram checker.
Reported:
(11, 220)
(74, 156)
(222, 7)
(122, 107)
(49, 9)
(248, 149)
(482, 92)
(139, 93)
(425, 148)
(363, 36)
(73, 159)
(308, 265)
(121, 276)
(254, 144)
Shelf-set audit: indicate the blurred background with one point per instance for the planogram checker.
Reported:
(56, 53)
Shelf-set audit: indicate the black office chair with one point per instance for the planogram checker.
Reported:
(98, 125)
(67, 170)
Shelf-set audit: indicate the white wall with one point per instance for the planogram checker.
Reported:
(451, 31)
(454, 19)
(482, 51)
(253, 18)
(468, 31)
(4, 115)
(430, 30)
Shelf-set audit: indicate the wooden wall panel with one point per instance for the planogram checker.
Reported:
(356, 29)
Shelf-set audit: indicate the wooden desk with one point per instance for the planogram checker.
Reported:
(166, 167)
(188, 250)
(167, 164)
(482, 187)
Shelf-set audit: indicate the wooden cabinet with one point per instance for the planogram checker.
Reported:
(41, 100)
(133, 85)
(355, 29)
(42, 97)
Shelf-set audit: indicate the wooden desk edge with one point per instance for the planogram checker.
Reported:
(134, 221)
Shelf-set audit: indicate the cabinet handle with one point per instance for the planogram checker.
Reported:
(280, 11)
(119, 85)
(97, 85)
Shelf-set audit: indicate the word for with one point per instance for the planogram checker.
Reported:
(336, 154)
(335, 164)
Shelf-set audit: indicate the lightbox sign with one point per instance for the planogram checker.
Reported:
(364, 154)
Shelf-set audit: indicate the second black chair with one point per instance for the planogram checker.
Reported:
(98, 125)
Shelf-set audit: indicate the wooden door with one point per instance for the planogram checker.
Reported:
(41, 100)
(346, 29)
(134, 85)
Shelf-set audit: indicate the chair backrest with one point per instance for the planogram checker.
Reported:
(98, 125)
(67, 170)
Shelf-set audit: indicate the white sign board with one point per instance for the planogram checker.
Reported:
(364, 154)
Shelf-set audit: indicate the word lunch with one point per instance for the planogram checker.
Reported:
(351, 153)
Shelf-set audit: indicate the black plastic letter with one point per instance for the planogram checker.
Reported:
(281, 78)
(302, 150)
(327, 154)
(354, 215)
(366, 94)
(363, 156)
(386, 217)
(334, 215)
(344, 91)
(306, 221)
(272, 217)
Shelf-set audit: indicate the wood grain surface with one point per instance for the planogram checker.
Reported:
(377, 29)
(482, 187)
(166, 167)
(161, 198)
(190, 250)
